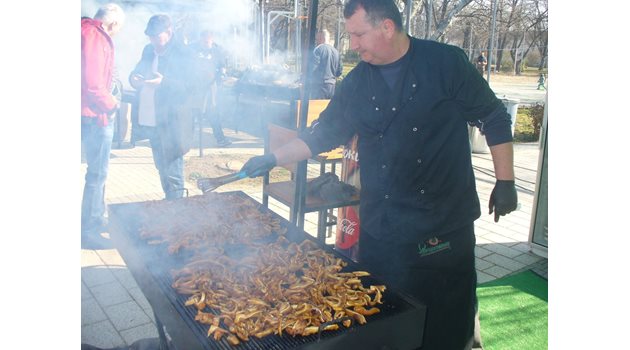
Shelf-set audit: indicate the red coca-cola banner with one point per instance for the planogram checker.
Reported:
(348, 220)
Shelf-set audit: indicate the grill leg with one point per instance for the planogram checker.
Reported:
(200, 119)
(160, 329)
(321, 226)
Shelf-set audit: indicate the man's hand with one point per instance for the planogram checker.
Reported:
(157, 79)
(503, 199)
(257, 166)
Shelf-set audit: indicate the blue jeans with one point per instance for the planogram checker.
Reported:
(97, 143)
(171, 170)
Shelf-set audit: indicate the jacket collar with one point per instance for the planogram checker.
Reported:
(378, 94)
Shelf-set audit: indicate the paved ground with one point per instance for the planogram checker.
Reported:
(524, 90)
(114, 312)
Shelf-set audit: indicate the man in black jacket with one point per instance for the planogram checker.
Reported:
(410, 102)
(165, 78)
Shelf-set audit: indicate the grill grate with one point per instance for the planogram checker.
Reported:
(398, 313)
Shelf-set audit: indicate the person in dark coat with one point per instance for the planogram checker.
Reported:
(164, 79)
(482, 62)
(410, 102)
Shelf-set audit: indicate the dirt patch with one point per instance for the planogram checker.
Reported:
(218, 165)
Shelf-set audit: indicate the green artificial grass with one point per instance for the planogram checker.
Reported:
(513, 312)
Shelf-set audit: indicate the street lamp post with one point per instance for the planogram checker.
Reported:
(339, 17)
(491, 45)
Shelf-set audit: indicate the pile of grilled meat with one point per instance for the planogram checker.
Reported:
(246, 279)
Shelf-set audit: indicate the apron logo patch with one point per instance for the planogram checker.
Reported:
(433, 245)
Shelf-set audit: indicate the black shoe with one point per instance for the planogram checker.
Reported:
(94, 240)
(224, 143)
(91, 237)
(98, 225)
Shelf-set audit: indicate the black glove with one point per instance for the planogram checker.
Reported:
(257, 166)
(503, 199)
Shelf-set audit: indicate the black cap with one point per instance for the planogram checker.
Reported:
(158, 24)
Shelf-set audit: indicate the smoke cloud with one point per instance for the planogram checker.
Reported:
(233, 24)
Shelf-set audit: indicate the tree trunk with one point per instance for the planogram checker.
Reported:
(428, 4)
(543, 54)
(448, 18)
(467, 43)
(502, 41)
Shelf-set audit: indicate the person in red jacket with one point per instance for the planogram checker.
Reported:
(98, 107)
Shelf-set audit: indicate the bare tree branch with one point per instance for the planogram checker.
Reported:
(445, 22)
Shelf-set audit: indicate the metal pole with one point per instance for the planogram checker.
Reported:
(270, 20)
(268, 37)
(300, 177)
(515, 59)
(298, 36)
(262, 31)
(339, 14)
(470, 51)
(491, 46)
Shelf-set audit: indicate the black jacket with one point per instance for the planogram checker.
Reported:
(173, 117)
(417, 179)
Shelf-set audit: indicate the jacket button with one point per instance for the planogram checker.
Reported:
(380, 136)
(376, 108)
(419, 160)
(386, 196)
(415, 129)
(394, 109)
(413, 85)
(383, 166)
(422, 191)
(373, 98)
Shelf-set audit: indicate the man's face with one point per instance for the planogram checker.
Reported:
(208, 41)
(113, 28)
(160, 40)
(319, 38)
(116, 28)
(369, 41)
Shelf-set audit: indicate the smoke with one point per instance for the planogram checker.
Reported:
(231, 21)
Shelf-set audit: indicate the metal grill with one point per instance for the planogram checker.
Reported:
(397, 326)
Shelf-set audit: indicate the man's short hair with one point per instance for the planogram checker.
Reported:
(325, 35)
(376, 11)
(158, 24)
(110, 13)
(206, 33)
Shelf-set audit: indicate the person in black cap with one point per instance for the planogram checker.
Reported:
(164, 78)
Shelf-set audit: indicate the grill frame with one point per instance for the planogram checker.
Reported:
(398, 326)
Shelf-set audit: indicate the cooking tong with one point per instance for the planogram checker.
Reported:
(207, 184)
